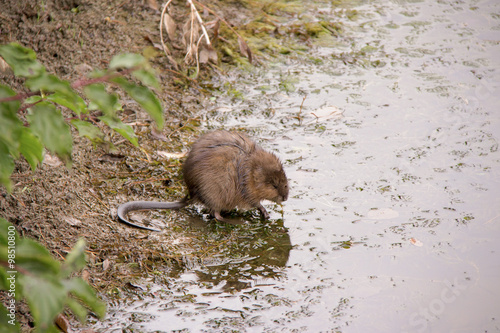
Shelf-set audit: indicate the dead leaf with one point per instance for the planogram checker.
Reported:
(208, 54)
(72, 221)
(83, 69)
(190, 36)
(63, 323)
(244, 49)
(86, 275)
(105, 264)
(327, 112)
(51, 160)
(216, 31)
(158, 135)
(213, 27)
(167, 154)
(416, 242)
(153, 4)
(170, 26)
(4, 67)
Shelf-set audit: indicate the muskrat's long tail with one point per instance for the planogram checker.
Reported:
(123, 209)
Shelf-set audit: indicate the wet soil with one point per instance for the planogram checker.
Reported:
(56, 205)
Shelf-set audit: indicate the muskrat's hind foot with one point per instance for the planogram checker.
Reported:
(218, 217)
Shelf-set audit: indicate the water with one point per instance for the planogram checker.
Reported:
(394, 216)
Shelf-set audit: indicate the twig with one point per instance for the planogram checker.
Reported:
(197, 61)
(82, 199)
(244, 48)
(27, 106)
(491, 220)
(75, 85)
(105, 78)
(193, 8)
(299, 116)
(98, 199)
(19, 97)
(190, 48)
(17, 268)
(220, 18)
(178, 129)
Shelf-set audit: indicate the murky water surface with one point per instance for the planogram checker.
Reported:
(393, 223)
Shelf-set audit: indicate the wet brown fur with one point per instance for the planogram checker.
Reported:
(225, 170)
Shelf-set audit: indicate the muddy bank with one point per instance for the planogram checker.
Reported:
(56, 205)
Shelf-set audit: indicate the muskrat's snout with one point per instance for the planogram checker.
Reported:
(283, 191)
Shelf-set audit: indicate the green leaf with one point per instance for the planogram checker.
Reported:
(75, 260)
(147, 78)
(7, 323)
(10, 133)
(4, 228)
(33, 99)
(71, 101)
(4, 283)
(63, 94)
(85, 293)
(10, 125)
(45, 298)
(22, 60)
(6, 167)
(31, 148)
(125, 130)
(127, 60)
(97, 73)
(48, 83)
(79, 310)
(87, 129)
(9, 107)
(49, 125)
(35, 258)
(107, 103)
(144, 97)
(40, 279)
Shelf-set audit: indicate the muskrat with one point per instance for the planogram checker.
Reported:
(224, 170)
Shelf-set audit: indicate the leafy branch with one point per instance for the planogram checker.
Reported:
(44, 125)
(28, 271)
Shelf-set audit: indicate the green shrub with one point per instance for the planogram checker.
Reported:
(48, 94)
(33, 121)
(28, 271)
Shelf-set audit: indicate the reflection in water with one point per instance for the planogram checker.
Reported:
(258, 252)
(395, 183)
(250, 261)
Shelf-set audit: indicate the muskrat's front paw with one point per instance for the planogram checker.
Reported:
(263, 212)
